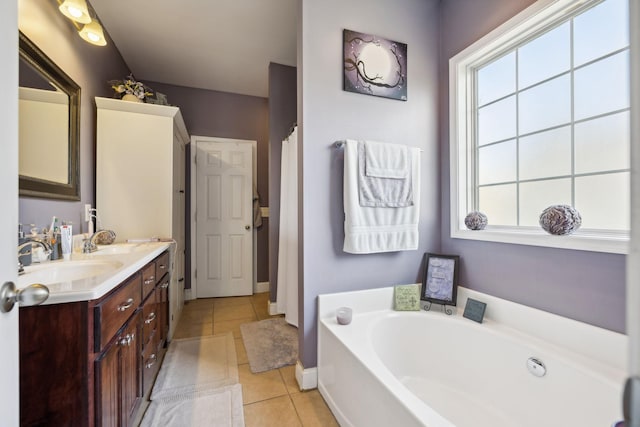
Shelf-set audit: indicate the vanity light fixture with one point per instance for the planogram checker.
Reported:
(92, 33)
(76, 10)
(79, 12)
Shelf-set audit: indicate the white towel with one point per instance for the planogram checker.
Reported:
(386, 160)
(376, 229)
(378, 191)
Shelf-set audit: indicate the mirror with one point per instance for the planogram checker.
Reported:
(49, 132)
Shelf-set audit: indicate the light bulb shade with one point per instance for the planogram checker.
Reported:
(76, 10)
(92, 33)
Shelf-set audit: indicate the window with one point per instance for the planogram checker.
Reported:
(540, 112)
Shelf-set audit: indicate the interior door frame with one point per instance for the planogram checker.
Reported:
(191, 293)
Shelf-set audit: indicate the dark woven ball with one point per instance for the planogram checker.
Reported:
(560, 220)
(475, 220)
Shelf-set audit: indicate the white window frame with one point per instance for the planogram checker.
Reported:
(523, 26)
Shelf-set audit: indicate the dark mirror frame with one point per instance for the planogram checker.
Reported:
(34, 187)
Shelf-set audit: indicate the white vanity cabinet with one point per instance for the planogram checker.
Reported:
(140, 178)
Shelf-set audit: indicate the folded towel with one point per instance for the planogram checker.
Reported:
(377, 229)
(376, 191)
(386, 160)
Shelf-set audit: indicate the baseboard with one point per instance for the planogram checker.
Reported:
(273, 308)
(261, 287)
(188, 295)
(307, 378)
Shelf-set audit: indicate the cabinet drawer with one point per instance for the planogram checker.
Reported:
(162, 266)
(150, 363)
(149, 318)
(148, 279)
(113, 312)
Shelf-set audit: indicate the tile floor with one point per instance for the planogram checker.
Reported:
(271, 398)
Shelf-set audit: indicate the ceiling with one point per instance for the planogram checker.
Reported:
(223, 45)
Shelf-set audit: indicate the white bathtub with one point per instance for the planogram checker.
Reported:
(404, 369)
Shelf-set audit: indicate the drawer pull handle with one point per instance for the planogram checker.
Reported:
(149, 280)
(127, 340)
(151, 362)
(151, 318)
(126, 305)
(165, 285)
(162, 266)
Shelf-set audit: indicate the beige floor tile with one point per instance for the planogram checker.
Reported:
(278, 412)
(197, 316)
(231, 312)
(193, 330)
(262, 311)
(199, 303)
(231, 325)
(312, 409)
(241, 352)
(289, 376)
(231, 301)
(260, 299)
(262, 386)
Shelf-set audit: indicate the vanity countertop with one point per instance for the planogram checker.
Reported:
(115, 262)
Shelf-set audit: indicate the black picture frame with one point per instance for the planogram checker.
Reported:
(374, 65)
(440, 279)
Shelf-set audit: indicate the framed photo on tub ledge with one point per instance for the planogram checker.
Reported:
(440, 280)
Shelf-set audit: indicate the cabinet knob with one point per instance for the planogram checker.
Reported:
(127, 340)
(165, 285)
(126, 305)
(247, 227)
(151, 362)
(151, 318)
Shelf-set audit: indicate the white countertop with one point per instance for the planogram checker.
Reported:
(95, 287)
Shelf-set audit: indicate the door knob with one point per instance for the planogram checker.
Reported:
(31, 295)
(247, 227)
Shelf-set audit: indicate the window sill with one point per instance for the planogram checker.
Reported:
(616, 243)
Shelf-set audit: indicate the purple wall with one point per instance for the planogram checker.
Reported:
(327, 114)
(227, 115)
(282, 114)
(585, 286)
(90, 67)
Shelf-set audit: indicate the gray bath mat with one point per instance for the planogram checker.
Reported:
(270, 344)
(221, 407)
(197, 364)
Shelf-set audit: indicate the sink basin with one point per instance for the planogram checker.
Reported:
(65, 271)
(119, 248)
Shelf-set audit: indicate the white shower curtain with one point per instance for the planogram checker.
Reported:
(287, 296)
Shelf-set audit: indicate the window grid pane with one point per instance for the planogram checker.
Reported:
(534, 120)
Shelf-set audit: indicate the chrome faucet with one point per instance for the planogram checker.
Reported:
(30, 242)
(89, 245)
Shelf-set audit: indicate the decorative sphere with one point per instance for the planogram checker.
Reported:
(560, 220)
(475, 220)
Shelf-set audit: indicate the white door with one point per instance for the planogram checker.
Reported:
(633, 259)
(9, 385)
(224, 217)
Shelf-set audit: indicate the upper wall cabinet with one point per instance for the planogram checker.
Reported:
(140, 177)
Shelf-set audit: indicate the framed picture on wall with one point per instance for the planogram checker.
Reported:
(374, 65)
(440, 281)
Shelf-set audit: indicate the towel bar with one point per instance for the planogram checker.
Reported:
(340, 144)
